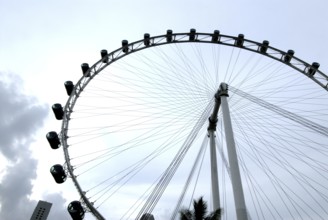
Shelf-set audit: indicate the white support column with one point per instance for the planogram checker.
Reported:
(214, 172)
(232, 156)
(213, 119)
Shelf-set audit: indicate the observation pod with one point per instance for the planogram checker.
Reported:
(146, 39)
(192, 35)
(76, 210)
(215, 36)
(53, 139)
(147, 216)
(169, 34)
(239, 40)
(125, 47)
(58, 173)
(288, 56)
(264, 46)
(69, 86)
(58, 111)
(85, 67)
(313, 68)
(104, 56)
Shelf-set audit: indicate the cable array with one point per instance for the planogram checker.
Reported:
(139, 123)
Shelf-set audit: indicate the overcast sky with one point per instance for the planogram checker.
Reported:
(43, 43)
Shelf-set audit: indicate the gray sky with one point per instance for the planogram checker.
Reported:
(43, 43)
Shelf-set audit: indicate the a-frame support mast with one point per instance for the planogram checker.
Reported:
(221, 100)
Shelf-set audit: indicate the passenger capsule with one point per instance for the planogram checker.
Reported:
(58, 111)
(215, 36)
(53, 139)
(58, 173)
(192, 35)
(69, 86)
(146, 39)
(85, 67)
(313, 68)
(125, 47)
(76, 210)
(239, 40)
(288, 56)
(264, 46)
(104, 56)
(169, 34)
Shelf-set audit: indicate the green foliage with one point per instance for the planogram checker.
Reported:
(199, 212)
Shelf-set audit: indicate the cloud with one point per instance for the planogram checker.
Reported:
(15, 188)
(20, 118)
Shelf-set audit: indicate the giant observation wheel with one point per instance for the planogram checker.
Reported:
(135, 129)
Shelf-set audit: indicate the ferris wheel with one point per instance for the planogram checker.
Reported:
(169, 118)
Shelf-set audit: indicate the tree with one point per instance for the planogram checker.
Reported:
(147, 216)
(200, 212)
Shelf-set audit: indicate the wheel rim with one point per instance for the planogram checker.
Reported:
(186, 99)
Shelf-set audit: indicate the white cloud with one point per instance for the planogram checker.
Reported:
(21, 116)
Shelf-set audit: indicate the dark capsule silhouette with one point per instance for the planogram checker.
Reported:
(215, 36)
(313, 68)
(125, 47)
(288, 56)
(146, 39)
(169, 34)
(58, 111)
(104, 56)
(240, 40)
(69, 86)
(53, 139)
(58, 173)
(192, 35)
(264, 46)
(85, 67)
(76, 210)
